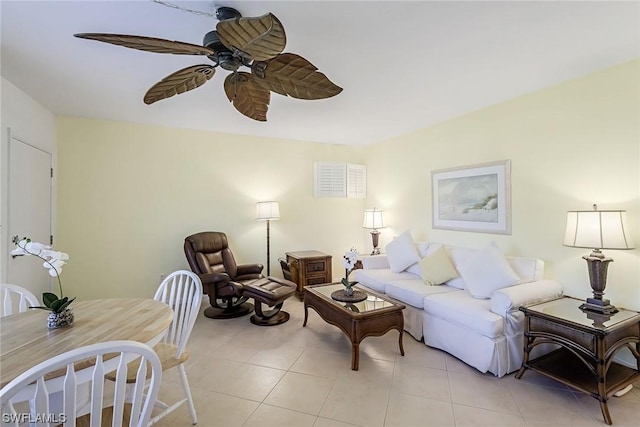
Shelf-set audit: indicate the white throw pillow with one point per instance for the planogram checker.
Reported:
(401, 252)
(487, 271)
(437, 268)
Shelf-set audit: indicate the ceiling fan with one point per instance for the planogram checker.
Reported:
(256, 43)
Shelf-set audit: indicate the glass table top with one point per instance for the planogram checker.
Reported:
(569, 309)
(371, 303)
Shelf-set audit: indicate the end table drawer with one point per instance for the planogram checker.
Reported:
(316, 280)
(315, 266)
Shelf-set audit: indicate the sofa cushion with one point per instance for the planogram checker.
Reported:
(487, 271)
(402, 252)
(413, 291)
(458, 257)
(461, 309)
(437, 268)
(529, 269)
(376, 279)
(423, 250)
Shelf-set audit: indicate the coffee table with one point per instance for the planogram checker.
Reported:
(374, 316)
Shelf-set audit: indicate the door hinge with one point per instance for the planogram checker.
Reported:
(51, 172)
(51, 239)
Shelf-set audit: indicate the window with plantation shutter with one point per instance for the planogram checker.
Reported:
(332, 179)
(356, 181)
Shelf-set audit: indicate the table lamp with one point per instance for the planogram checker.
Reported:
(373, 220)
(267, 211)
(596, 229)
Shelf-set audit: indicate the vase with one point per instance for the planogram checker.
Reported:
(348, 291)
(60, 320)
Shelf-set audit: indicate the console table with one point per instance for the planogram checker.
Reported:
(309, 268)
(588, 342)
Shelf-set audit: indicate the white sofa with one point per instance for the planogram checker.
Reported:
(484, 333)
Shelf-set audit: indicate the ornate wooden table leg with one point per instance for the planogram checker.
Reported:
(400, 343)
(306, 314)
(355, 355)
(528, 341)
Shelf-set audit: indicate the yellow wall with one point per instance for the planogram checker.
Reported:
(570, 146)
(129, 194)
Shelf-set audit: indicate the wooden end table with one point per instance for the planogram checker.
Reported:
(374, 316)
(588, 343)
(309, 268)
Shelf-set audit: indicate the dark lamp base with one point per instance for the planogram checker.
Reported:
(598, 306)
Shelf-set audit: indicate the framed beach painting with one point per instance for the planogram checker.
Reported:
(473, 198)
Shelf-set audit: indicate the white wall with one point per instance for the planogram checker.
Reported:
(570, 146)
(129, 194)
(29, 122)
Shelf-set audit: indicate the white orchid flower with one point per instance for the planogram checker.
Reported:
(54, 255)
(53, 262)
(350, 258)
(54, 266)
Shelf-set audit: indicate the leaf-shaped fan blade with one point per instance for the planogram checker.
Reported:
(247, 97)
(179, 82)
(262, 37)
(149, 44)
(291, 74)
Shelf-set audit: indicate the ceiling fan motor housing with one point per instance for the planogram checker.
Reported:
(223, 56)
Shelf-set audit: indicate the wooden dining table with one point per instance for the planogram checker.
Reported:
(26, 341)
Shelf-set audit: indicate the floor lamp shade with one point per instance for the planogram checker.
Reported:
(596, 229)
(373, 220)
(268, 211)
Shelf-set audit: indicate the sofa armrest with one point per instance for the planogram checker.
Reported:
(372, 262)
(509, 299)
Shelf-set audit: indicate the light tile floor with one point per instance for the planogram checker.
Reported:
(289, 375)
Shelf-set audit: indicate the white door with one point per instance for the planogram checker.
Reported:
(29, 212)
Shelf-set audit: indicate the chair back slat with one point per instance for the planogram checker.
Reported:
(70, 392)
(16, 299)
(33, 385)
(182, 291)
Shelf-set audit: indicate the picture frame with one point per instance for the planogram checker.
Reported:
(473, 198)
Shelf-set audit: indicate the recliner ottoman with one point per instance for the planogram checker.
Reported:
(271, 291)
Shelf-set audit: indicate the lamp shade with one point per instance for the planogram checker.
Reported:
(597, 230)
(267, 211)
(373, 219)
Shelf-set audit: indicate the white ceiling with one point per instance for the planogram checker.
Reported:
(403, 65)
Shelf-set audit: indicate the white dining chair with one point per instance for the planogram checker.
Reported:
(86, 367)
(16, 297)
(182, 291)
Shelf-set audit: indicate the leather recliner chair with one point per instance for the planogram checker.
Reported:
(211, 259)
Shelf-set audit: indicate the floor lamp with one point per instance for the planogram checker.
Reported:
(267, 211)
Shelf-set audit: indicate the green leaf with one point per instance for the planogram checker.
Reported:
(346, 283)
(65, 305)
(48, 299)
(57, 305)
